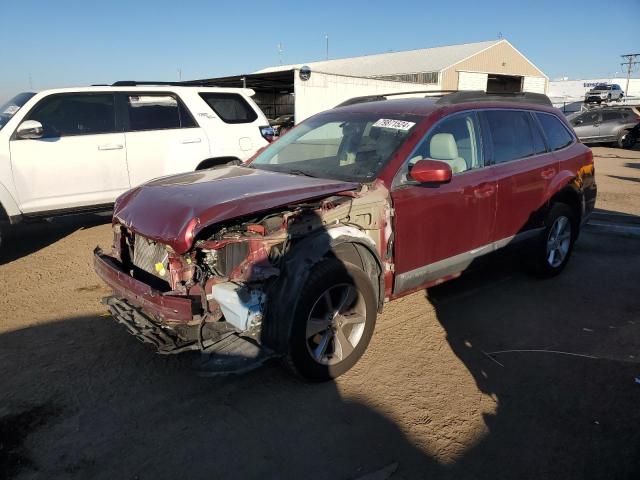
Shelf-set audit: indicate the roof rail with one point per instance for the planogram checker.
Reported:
(133, 83)
(383, 96)
(482, 96)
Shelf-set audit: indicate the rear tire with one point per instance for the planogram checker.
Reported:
(333, 322)
(553, 249)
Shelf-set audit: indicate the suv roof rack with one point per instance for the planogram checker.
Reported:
(482, 96)
(383, 96)
(133, 83)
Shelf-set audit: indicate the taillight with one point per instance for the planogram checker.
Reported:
(267, 133)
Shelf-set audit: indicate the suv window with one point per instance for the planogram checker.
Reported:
(555, 131)
(230, 107)
(610, 115)
(588, 118)
(157, 112)
(75, 114)
(511, 134)
(456, 141)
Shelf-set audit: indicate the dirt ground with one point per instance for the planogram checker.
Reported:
(80, 398)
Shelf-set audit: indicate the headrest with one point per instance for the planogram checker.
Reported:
(443, 147)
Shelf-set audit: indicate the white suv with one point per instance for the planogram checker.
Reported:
(73, 149)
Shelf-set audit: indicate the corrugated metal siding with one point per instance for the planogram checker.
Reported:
(501, 58)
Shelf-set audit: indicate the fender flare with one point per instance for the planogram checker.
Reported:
(283, 294)
(8, 204)
(567, 188)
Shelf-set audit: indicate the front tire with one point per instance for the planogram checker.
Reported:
(333, 322)
(555, 245)
(625, 139)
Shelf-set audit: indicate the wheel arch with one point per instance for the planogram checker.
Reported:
(570, 195)
(9, 210)
(345, 243)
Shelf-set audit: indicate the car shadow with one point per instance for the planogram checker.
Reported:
(26, 238)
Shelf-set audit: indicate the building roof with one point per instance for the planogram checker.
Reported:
(411, 61)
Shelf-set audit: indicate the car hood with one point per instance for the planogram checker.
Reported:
(173, 210)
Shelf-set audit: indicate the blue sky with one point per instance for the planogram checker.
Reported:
(69, 42)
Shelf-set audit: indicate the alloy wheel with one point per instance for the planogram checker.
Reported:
(559, 241)
(336, 324)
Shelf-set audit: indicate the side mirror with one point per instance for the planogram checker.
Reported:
(30, 129)
(431, 171)
(578, 121)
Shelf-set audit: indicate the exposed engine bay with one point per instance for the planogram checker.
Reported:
(234, 269)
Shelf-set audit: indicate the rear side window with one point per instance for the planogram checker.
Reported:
(512, 135)
(77, 114)
(608, 116)
(157, 112)
(557, 135)
(230, 107)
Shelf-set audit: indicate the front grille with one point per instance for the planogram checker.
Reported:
(146, 254)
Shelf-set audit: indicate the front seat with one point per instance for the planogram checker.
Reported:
(443, 147)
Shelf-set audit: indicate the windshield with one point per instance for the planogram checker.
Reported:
(602, 87)
(10, 108)
(339, 145)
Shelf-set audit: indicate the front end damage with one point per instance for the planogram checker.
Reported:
(218, 295)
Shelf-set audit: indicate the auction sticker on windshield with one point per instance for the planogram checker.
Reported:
(394, 124)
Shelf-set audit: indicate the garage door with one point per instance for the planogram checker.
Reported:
(534, 84)
(472, 81)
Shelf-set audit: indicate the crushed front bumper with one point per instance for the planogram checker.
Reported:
(139, 294)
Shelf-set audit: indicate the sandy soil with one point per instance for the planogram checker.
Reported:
(80, 398)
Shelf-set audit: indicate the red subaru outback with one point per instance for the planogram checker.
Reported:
(296, 253)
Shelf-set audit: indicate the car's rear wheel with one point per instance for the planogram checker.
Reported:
(556, 243)
(333, 322)
(625, 139)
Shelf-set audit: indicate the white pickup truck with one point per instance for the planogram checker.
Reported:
(76, 149)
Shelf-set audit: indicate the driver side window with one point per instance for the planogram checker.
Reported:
(75, 114)
(455, 141)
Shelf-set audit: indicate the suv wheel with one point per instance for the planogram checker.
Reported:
(333, 322)
(625, 139)
(556, 242)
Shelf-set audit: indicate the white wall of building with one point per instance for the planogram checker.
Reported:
(575, 89)
(324, 91)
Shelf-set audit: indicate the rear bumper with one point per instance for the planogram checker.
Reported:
(139, 294)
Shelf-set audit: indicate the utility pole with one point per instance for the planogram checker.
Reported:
(326, 38)
(630, 63)
(179, 70)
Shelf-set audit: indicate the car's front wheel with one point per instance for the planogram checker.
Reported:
(556, 242)
(334, 321)
(625, 139)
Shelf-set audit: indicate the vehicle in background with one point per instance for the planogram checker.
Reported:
(282, 124)
(77, 149)
(296, 252)
(604, 92)
(605, 125)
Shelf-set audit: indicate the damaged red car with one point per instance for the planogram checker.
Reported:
(294, 254)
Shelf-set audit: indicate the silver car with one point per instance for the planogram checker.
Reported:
(604, 92)
(605, 125)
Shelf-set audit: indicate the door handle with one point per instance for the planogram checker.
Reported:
(548, 173)
(111, 146)
(484, 191)
(192, 140)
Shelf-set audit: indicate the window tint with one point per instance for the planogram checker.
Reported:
(589, 118)
(511, 134)
(230, 107)
(77, 114)
(456, 141)
(557, 135)
(608, 116)
(157, 112)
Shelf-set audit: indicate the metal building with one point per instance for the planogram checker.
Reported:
(493, 66)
